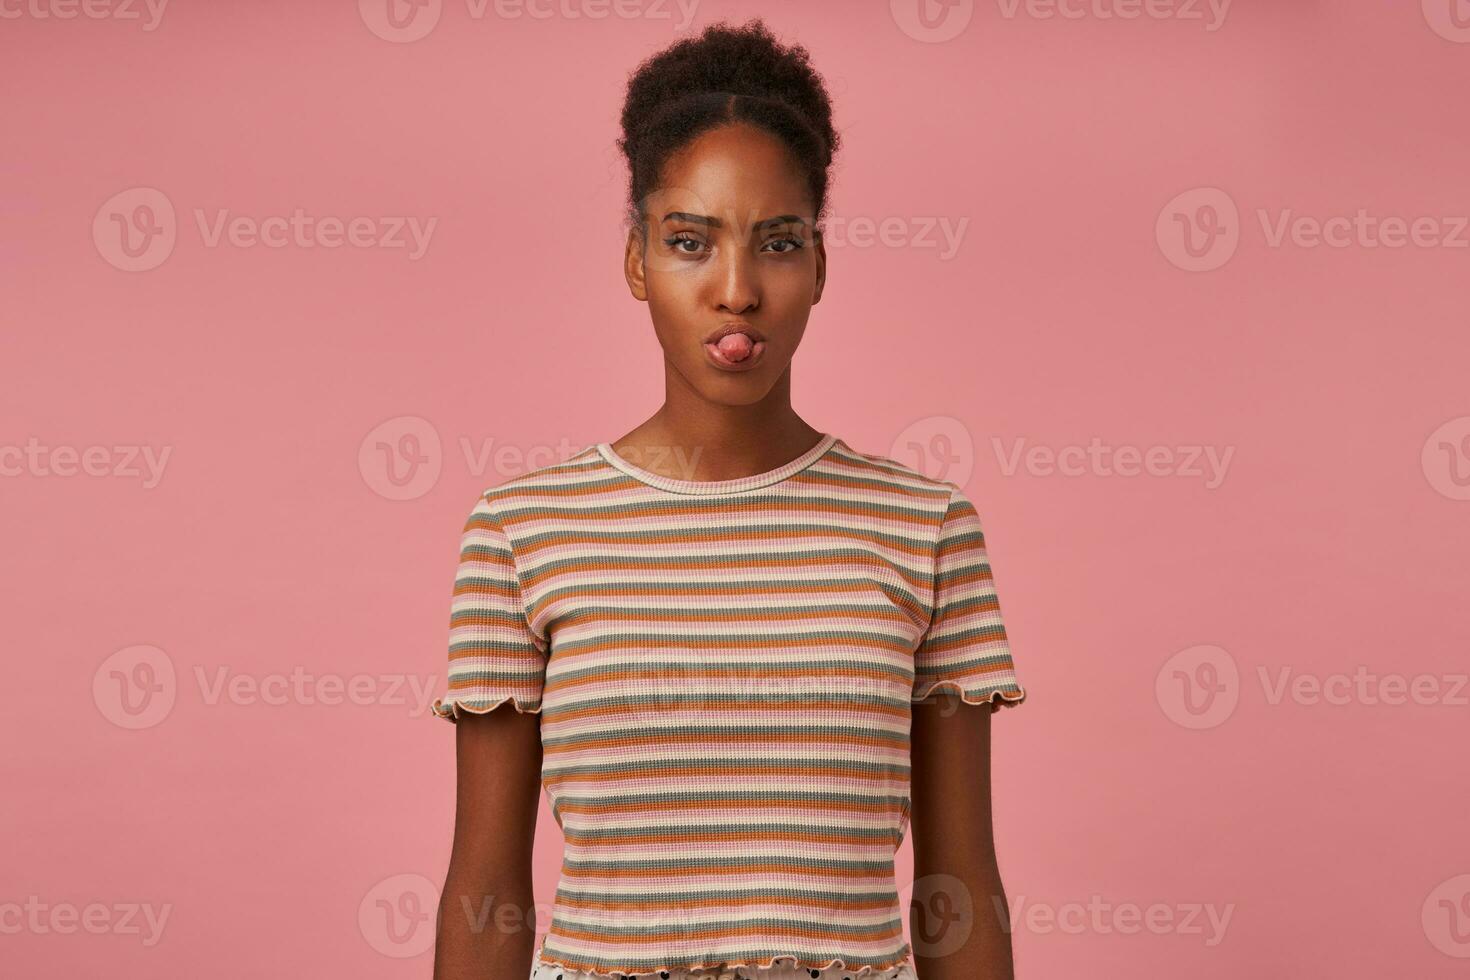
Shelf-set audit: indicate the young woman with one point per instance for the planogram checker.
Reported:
(721, 635)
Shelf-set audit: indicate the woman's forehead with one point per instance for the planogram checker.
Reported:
(722, 207)
(737, 169)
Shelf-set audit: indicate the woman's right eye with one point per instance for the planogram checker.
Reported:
(675, 241)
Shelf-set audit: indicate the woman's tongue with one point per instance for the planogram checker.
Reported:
(734, 346)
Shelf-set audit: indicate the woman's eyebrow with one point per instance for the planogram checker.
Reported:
(713, 222)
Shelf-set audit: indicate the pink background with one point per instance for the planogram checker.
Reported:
(1332, 834)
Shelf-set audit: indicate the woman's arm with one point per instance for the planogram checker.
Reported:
(954, 847)
(487, 920)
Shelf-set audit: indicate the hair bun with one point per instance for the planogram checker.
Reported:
(726, 74)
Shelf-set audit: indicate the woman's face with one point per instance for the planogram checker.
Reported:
(730, 244)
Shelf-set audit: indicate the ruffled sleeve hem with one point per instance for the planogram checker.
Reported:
(452, 708)
(995, 697)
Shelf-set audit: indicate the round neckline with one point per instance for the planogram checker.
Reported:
(753, 482)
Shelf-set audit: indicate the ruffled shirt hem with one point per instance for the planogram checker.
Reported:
(776, 968)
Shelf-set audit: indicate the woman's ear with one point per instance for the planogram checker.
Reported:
(821, 270)
(633, 264)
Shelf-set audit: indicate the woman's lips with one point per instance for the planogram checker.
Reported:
(735, 352)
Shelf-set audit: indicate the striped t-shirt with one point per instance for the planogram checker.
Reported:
(725, 672)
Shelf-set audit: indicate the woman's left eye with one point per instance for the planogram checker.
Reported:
(795, 243)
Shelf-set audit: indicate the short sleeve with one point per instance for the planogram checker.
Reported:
(965, 649)
(494, 655)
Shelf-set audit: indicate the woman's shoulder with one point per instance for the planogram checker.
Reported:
(530, 483)
(894, 477)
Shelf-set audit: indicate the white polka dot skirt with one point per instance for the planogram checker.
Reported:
(781, 971)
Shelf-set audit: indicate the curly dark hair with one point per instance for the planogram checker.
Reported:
(726, 74)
